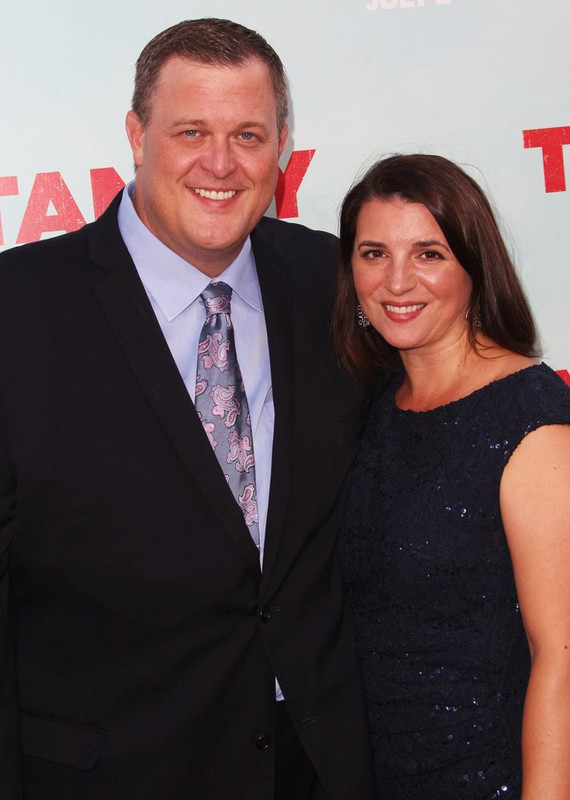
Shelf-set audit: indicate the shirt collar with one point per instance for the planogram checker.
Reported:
(174, 283)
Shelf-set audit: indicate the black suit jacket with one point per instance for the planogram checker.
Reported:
(140, 640)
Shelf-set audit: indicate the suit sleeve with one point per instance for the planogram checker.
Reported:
(10, 770)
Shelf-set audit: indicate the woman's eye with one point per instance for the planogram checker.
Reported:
(431, 255)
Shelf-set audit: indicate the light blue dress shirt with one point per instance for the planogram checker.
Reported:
(174, 286)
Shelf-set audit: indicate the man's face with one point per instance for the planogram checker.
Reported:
(207, 159)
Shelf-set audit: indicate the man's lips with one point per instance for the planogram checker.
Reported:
(212, 194)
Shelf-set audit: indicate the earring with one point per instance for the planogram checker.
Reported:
(362, 319)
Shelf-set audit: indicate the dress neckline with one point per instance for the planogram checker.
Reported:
(396, 385)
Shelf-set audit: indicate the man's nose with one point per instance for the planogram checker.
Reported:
(218, 158)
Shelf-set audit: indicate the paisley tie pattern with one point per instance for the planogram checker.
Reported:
(221, 402)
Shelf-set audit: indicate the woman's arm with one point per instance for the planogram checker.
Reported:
(535, 507)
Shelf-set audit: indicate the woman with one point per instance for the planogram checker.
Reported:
(456, 542)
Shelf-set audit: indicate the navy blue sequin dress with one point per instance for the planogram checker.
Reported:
(443, 651)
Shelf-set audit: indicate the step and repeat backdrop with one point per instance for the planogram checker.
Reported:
(479, 81)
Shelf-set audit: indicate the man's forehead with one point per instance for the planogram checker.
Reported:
(177, 62)
(178, 70)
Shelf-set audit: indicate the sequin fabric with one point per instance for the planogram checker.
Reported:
(443, 651)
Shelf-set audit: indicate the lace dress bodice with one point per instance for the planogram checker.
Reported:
(443, 651)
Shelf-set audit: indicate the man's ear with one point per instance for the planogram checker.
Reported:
(135, 134)
(283, 135)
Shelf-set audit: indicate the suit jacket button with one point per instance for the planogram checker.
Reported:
(263, 742)
(265, 614)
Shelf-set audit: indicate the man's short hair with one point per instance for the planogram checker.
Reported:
(218, 42)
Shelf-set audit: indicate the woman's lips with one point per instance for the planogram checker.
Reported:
(403, 313)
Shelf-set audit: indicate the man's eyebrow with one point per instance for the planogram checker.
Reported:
(252, 124)
(191, 123)
(195, 122)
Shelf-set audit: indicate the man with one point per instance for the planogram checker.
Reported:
(152, 595)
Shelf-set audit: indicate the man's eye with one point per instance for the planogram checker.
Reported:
(247, 136)
(191, 134)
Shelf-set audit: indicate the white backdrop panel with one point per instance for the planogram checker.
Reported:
(462, 78)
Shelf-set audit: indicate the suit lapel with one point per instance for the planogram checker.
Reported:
(278, 304)
(125, 303)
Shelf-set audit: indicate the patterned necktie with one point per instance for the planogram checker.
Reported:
(221, 402)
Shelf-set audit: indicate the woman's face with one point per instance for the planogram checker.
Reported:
(409, 284)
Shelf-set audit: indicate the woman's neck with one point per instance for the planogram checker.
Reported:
(437, 378)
